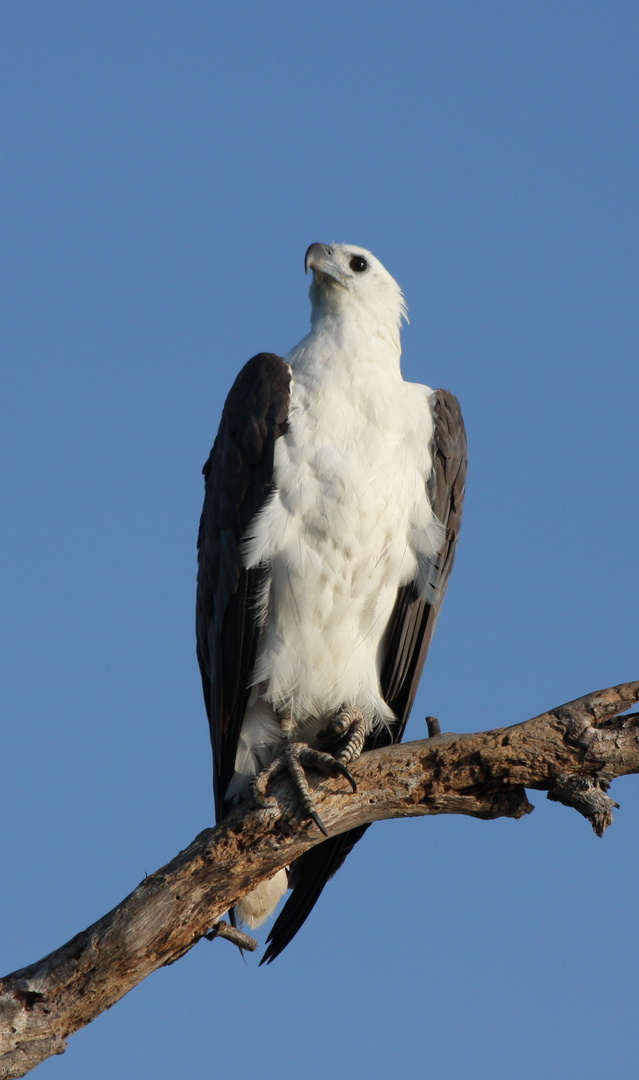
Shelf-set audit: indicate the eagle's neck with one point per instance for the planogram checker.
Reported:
(356, 347)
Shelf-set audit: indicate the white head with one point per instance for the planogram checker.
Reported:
(350, 283)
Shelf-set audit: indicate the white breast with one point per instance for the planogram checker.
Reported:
(347, 526)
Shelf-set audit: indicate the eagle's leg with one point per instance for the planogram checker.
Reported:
(347, 731)
(294, 759)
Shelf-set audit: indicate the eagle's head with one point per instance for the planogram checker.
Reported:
(350, 283)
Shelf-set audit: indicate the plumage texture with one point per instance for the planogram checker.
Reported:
(332, 508)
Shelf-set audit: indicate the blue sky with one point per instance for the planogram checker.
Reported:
(164, 168)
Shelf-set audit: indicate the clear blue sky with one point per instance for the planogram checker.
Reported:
(164, 167)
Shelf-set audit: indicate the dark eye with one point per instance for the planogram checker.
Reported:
(358, 264)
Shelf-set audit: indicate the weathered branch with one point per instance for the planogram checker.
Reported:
(572, 752)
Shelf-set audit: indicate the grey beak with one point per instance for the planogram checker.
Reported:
(316, 253)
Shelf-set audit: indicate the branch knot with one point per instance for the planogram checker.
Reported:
(587, 796)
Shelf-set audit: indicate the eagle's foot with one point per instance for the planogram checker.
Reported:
(347, 731)
(294, 759)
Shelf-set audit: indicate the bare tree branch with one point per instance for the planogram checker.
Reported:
(572, 753)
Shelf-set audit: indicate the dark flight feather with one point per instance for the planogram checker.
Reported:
(238, 480)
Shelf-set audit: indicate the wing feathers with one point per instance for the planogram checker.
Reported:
(238, 480)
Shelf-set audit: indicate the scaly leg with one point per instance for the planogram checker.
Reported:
(348, 731)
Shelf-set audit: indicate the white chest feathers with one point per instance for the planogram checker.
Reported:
(349, 523)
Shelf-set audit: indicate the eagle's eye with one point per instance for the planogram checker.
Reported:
(358, 264)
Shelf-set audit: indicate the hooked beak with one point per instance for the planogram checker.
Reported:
(319, 259)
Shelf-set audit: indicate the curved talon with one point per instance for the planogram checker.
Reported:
(264, 804)
(343, 771)
(260, 782)
(318, 821)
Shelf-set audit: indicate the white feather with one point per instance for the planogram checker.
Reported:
(258, 904)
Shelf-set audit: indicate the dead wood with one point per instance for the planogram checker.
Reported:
(572, 752)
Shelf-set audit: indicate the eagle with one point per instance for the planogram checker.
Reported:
(332, 507)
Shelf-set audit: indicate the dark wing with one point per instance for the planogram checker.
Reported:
(408, 638)
(413, 621)
(238, 480)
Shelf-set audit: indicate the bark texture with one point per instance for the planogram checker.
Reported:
(572, 752)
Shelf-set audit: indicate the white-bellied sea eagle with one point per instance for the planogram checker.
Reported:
(332, 508)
